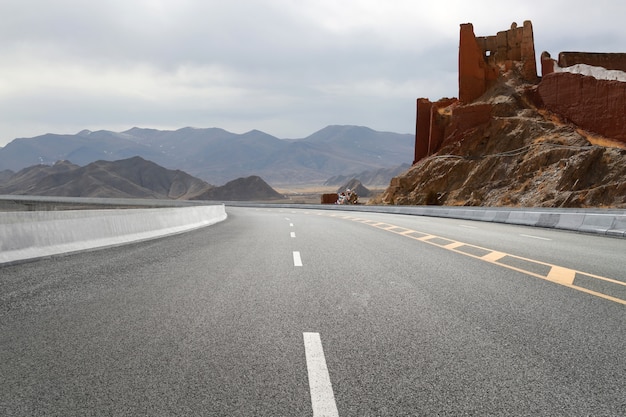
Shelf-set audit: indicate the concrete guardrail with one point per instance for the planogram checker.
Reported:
(26, 235)
(609, 222)
(47, 230)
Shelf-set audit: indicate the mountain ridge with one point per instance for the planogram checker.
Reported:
(218, 156)
(129, 178)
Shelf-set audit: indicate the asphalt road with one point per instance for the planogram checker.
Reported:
(278, 312)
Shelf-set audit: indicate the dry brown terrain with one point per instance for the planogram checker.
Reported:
(523, 157)
(311, 194)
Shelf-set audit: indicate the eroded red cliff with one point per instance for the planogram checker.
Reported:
(513, 140)
(597, 105)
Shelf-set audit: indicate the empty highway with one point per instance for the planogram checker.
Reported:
(291, 312)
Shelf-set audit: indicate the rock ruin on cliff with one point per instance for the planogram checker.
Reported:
(515, 139)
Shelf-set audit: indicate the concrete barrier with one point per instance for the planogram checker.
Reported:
(36, 234)
(609, 222)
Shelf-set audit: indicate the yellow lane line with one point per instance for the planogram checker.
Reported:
(562, 275)
(454, 245)
(557, 274)
(493, 256)
(406, 232)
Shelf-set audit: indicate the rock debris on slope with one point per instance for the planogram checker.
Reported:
(522, 157)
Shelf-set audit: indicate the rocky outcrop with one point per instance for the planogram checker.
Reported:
(523, 158)
(597, 105)
(511, 141)
(482, 62)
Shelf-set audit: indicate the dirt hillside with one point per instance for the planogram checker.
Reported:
(522, 157)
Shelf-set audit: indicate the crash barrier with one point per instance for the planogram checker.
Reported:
(42, 203)
(608, 222)
(28, 235)
(33, 234)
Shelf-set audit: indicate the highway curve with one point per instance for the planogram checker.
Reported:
(292, 312)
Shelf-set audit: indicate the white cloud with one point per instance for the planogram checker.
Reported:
(288, 67)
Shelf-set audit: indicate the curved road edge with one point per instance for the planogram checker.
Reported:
(609, 222)
(26, 236)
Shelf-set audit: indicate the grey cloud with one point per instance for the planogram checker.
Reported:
(285, 66)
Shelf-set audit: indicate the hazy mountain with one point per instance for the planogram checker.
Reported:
(250, 188)
(129, 178)
(356, 187)
(373, 178)
(5, 175)
(218, 156)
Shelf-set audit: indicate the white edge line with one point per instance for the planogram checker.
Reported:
(322, 396)
(535, 237)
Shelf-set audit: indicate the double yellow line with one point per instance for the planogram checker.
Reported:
(595, 285)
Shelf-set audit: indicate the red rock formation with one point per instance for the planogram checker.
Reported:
(464, 119)
(498, 148)
(430, 126)
(422, 128)
(481, 62)
(474, 73)
(610, 61)
(482, 59)
(595, 105)
(547, 64)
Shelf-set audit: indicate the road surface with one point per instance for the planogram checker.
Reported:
(287, 312)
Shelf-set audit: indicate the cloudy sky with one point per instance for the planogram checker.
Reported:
(286, 67)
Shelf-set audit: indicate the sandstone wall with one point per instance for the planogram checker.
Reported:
(430, 126)
(422, 128)
(481, 59)
(610, 61)
(475, 75)
(547, 64)
(595, 105)
(466, 118)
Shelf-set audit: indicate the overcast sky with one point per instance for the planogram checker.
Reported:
(286, 67)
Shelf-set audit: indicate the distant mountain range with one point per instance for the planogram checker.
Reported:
(129, 178)
(218, 156)
(376, 178)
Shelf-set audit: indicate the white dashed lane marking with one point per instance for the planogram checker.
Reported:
(322, 396)
(297, 260)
